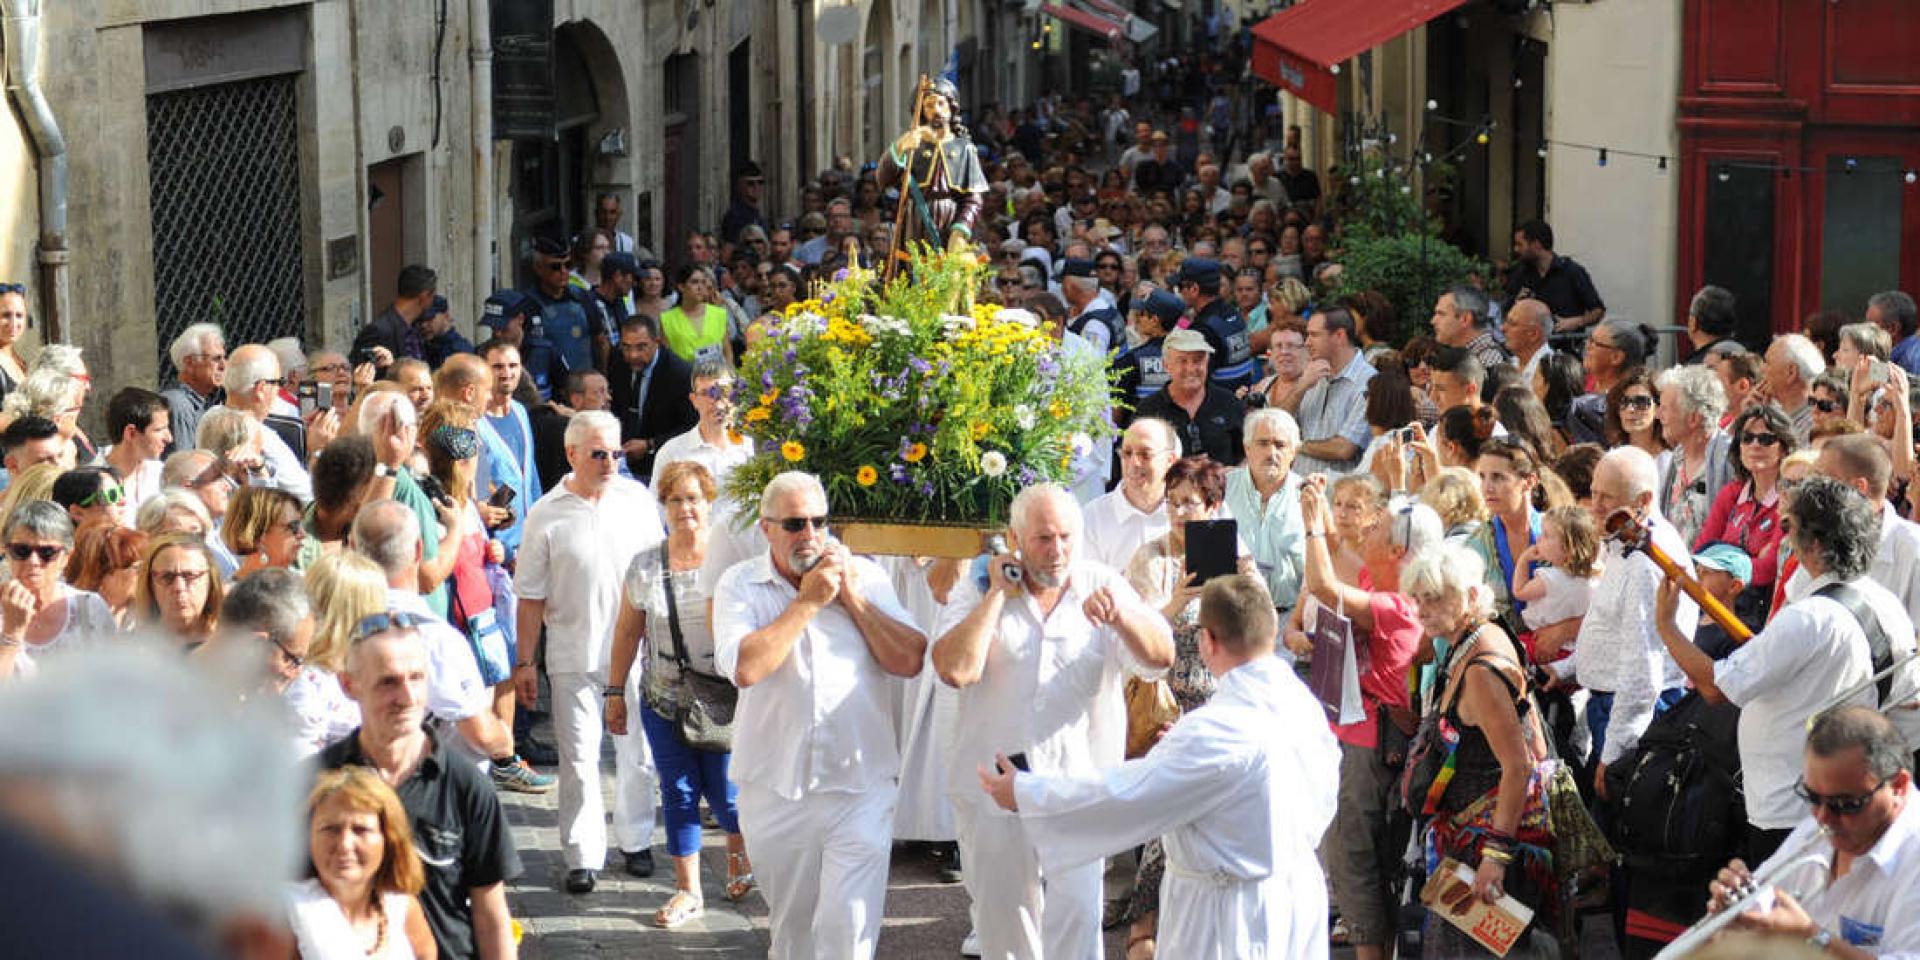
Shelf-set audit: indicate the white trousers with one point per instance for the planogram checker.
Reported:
(1020, 914)
(821, 862)
(578, 724)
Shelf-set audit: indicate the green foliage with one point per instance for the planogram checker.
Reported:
(1388, 244)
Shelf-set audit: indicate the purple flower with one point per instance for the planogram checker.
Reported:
(926, 489)
(839, 275)
(899, 472)
(791, 355)
(918, 365)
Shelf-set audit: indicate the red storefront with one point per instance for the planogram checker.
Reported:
(1799, 144)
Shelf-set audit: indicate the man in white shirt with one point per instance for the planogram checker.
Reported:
(811, 636)
(1039, 658)
(1619, 656)
(1526, 326)
(708, 443)
(1857, 776)
(1240, 790)
(1814, 652)
(1263, 494)
(137, 422)
(1117, 523)
(1861, 462)
(253, 380)
(577, 544)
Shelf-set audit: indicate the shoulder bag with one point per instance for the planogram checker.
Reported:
(702, 704)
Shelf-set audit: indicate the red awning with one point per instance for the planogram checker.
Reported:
(1090, 22)
(1299, 48)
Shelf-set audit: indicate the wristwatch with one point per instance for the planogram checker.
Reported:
(614, 691)
(382, 470)
(1821, 939)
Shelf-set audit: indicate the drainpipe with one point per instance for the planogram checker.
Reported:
(22, 41)
(480, 63)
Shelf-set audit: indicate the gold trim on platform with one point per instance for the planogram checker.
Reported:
(943, 541)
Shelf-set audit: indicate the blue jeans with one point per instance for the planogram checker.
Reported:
(686, 775)
(1600, 711)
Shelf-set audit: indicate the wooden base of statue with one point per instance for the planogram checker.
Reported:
(941, 541)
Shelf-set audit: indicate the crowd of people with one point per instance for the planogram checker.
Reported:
(422, 544)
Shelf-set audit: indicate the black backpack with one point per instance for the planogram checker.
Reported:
(1677, 797)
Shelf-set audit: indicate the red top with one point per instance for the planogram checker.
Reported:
(1390, 649)
(470, 580)
(1752, 525)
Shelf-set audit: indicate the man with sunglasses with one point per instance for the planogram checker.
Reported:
(562, 306)
(253, 380)
(1857, 777)
(1818, 650)
(575, 549)
(199, 356)
(812, 637)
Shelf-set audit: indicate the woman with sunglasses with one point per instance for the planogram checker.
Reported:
(106, 561)
(180, 590)
(14, 321)
(37, 606)
(1632, 413)
(1746, 512)
(263, 530)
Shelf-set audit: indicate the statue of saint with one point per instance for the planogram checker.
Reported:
(943, 181)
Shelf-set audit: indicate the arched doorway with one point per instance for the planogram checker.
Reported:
(875, 66)
(555, 181)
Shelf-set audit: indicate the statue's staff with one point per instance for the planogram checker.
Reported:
(899, 251)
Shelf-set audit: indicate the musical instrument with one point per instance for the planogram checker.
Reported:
(1634, 533)
(906, 182)
(1762, 881)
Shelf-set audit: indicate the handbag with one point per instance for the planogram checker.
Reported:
(487, 639)
(702, 704)
(1429, 762)
(1150, 706)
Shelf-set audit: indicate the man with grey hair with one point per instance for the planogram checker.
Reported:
(199, 356)
(1039, 657)
(1263, 494)
(1793, 363)
(1894, 312)
(1692, 399)
(272, 605)
(1119, 521)
(1618, 656)
(252, 380)
(1816, 652)
(1712, 318)
(1528, 324)
(1463, 318)
(458, 697)
(812, 635)
(576, 546)
(1858, 778)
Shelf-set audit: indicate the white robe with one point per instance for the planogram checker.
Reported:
(1239, 885)
(925, 713)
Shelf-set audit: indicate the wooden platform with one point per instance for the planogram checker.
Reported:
(877, 538)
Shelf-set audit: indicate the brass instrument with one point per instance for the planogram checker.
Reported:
(1762, 881)
(1633, 533)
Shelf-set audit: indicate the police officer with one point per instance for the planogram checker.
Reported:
(1143, 369)
(563, 308)
(1232, 365)
(514, 317)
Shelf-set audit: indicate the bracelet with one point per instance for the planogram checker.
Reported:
(613, 691)
(1496, 855)
(525, 665)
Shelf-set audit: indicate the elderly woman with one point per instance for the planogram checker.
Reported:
(1746, 512)
(1359, 502)
(263, 530)
(1286, 362)
(235, 438)
(1630, 413)
(1483, 691)
(106, 561)
(177, 511)
(39, 611)
(344, 589)
(1692, 473)
(362, 898)
(180, 590)
(667, 606)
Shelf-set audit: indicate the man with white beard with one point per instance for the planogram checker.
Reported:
(810, 635)
(1240, 792)
(1039, 660)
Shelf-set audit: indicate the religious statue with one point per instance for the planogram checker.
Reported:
(942, 181)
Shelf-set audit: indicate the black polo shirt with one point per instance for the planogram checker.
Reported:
(1215, 431)
(459, 831)
(1566, 288)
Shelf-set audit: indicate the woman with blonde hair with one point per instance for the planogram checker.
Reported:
(33, 483)
(180, 590)
(344, 588)
(263, 529)
(106, 561)
(1455, 496)
(362, 896)
(58, 397)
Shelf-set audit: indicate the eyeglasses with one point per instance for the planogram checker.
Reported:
(105, 495)
(1636, 402)
(330, 368)
(798, 524)
(47, 552)
(1186, 507)
(603, 454)
(552, 265)
(1763, 439)
(19, 288)
(209, 357)
(378, 623)
(1840, 805)
(1825, 405)
(718, 391)
(1593, 343)
(178, 578)
(271, 381)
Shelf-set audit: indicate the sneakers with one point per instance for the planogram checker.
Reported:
(970, 947)
(518, 777)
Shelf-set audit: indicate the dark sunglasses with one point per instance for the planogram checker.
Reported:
(1636, 402)
(47, 552)
(379, 623)
(1763, 439)
(553, 265)
(1825, 405)
(797, 524)
(105, 495)
(19, 288)
(1837, 804)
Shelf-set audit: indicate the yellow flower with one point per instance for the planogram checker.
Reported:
(735, 436)
(758, 415)
(866, 476)
(766, 399)
(793, 451)
(915, 453)
(980, 430)
(1059, 410)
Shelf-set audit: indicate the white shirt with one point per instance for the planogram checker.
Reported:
(574, 555)
(1896, 566)
(1810, 653)
(1115, 528)
(321, 711)
(719, 460)
(1876, 906)
(1051, 686)
(1533, 363)
(1619, 651)
(141, 485)
(822, 721)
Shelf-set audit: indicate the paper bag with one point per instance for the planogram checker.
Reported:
(1334, 676)
(1496, 926)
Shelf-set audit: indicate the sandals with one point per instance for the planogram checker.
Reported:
(739, 880)
(683, 906)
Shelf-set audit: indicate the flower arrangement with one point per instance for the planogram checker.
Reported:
(911, 403)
